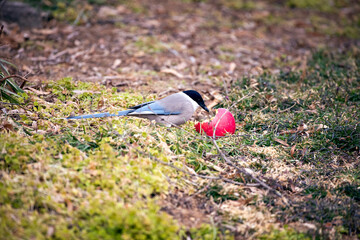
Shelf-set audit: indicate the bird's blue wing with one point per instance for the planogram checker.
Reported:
(153, 108)
(101, 115)
(148, 108)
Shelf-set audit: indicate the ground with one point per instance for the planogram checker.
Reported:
(287, 70)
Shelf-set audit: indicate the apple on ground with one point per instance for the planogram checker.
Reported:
(223, 123)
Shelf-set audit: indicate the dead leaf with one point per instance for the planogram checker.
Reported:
(38, 59)
(27, 69)
(328, 225)
(217, 97)
(311, 111)
(100, 103)
(45, 31)
(41, 132)
(292, 151)
(256, 71)
(181, 66)
(310, 225)
(37, 92)
(116, 63)
(303, 68)
(85, 91)
(50, 231)
(172, 72)
(14, 111)
(302, 127)
(7, 126)
(282, 142)
(292, 187)
(321, 126)
(304, 152)
(291, 131)
(246, 201)
(152, 23)
(106, 11)
(253, 83)
(240, 125)
(270, 98)
(121, 9)
(312, 106)
(34, 125)
(232, 67)
(69, 205)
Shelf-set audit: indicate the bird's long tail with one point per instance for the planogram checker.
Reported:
(101, 115)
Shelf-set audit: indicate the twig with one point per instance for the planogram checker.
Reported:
(8, 103)
(13, 76)
(242, 170)
(78, 17)
(201, 190)
(197, 175)
(241, 99)
(22, 85)
(229, 162)
(287, 109)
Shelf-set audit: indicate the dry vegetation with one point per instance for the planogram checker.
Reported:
(289, 71)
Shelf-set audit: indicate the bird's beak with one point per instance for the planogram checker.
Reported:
(205, 108)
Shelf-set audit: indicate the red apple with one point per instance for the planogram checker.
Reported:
(204, 127)
(223, 122)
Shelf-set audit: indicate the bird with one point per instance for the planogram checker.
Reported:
(173, 110)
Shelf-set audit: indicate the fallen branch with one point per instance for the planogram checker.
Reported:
(287, 109)
(242, 170)
(16, 76)
(6, 103)
(230, 163)
(197, 175)
(13, 76)
(241, 99)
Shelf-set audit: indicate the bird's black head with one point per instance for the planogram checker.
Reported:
(197, 98)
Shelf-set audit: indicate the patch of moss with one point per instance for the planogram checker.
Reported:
(17, 152)
(149, 45)
(286, 233)
(107, 220)
(322, 5)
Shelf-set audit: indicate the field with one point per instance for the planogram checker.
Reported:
(289, 71)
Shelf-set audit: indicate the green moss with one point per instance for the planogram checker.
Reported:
(103, 220)
(322, 5)
(227, 57)
(239, 4)
(149, 45)
(208, 232)
(17, 152)
(285, 234)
